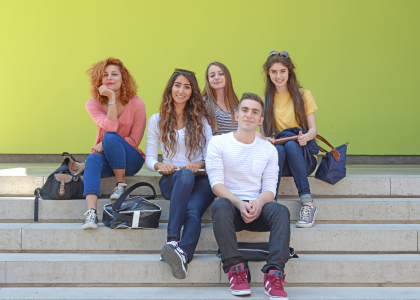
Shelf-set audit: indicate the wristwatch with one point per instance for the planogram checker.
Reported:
(109, 103)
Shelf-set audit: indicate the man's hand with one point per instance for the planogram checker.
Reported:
(245, 209)
(256, 208)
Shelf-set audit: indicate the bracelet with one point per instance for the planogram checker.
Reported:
(109, 103)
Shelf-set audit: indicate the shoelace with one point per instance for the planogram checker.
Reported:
(91, 215)
(120, 189)
(277, 283)
(239, 277)
(177, 248)
(305, 212)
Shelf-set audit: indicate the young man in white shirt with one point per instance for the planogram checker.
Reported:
(243, 171)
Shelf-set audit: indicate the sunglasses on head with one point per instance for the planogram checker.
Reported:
(282, 54)
(184, 71)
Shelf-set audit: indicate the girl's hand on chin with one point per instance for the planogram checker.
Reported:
(105, 91)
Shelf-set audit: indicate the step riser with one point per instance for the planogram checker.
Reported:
(332, 210)
(209, 271)
(322, 238)
(349, 186)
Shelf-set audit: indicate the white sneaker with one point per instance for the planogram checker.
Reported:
(91, 219)
(118, 191)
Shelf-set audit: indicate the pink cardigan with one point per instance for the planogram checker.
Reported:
(130, 125)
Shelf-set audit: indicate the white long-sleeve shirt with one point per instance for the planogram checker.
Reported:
(246, 170)
(180, 159)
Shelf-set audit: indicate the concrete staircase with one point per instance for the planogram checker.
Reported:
(365, 245)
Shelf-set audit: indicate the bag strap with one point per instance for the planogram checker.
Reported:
(333, 151)
(121, 199)
(36, 204)
(68, 154)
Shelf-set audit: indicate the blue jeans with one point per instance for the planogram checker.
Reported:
(190, 196)
(292, 163)
(118, 154)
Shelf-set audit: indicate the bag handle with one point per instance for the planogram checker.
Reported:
(333, 151)
(120, 200)
(68, 154)
(36, 204)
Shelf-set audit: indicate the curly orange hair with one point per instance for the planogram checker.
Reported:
(96, 72)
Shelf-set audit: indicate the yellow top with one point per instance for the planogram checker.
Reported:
(284, 112)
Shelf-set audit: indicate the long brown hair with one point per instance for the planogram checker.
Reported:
(293, 86)
(194, 114)
(231, 101)
(96, 72)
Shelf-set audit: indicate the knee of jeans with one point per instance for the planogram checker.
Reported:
(94, 159)
(280, 211)
(291, 145)
(186, 175)
(109, 136)
(221, 206)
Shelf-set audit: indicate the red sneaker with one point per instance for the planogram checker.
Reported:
(273, 285)
(238, 279)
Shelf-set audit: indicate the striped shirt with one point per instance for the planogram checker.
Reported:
(246, 170)
(223, 119)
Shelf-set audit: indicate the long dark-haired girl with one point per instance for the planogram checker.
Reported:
(288, 105)
(220, 98)
(182, 129)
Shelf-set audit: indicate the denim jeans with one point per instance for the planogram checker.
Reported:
(118, 154)
(274, 218)
(190, 196)
(292, 163)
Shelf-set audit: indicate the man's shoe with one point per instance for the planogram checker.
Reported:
(273, 285)
(118, 191)
(176, 258)
(238, 280)
(91, 219)
(307, 216)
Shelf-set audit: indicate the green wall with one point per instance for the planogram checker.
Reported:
(360, 59)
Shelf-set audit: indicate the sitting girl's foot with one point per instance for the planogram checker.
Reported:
(118, 191)
(176, 258)
(307, 216)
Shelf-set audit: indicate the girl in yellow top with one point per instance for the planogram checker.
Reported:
(288, 105)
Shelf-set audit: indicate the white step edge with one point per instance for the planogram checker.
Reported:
(320, 238)
(329, 209)
(101, 269)
(207, 293)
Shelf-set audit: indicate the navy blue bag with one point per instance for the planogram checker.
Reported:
(333, 165)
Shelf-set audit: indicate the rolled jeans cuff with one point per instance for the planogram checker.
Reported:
(92, 192)
(305, 198)
(117, 166)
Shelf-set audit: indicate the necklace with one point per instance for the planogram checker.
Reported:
(119, 105)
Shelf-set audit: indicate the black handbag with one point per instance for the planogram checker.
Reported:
(63, 184)
(333, 165)
(137, 212)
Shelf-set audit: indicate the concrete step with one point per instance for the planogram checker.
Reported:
(359, 184)
(33, 269)
(322, 238)
(330, 210)
(204, 293)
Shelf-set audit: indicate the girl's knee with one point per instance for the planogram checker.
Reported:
(291, 145)
(110, 136)
(93, 159)
(186, 175)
